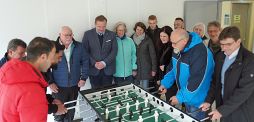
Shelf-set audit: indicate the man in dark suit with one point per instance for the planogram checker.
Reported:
(101, 45)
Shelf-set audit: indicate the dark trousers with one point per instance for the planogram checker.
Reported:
(121, 79)
(171, 92)
(66, 94)
(153, 83)
(101, 79)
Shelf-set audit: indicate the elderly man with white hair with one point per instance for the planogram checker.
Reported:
(191, 68)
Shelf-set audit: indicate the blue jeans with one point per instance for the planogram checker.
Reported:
(121, 79)
(198, 115)
(144, 83)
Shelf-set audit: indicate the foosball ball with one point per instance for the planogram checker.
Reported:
(126, 102)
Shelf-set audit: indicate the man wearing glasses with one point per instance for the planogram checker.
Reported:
(71, 73)
(214, 30)
(16, 50)
(232, 85)
(192, 68)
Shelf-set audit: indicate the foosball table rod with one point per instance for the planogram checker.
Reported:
(82, 119)
(209, 117)
(125, 107)
(84, 110)
(121, 101)
(76, 106)
(111, 97)
(132, 113)
(72, 101)
(93, 96)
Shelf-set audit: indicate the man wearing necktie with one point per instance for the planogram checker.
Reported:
(101, 46)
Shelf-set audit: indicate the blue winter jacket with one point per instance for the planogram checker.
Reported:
(192, 70)
(79, 67)
(3, 60)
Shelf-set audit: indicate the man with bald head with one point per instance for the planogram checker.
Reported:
(192, 68)
(71, 72)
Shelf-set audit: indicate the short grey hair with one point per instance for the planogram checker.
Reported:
(120, 23)
(14, 43)
(198, 25)
(183, 34)
(214, 23)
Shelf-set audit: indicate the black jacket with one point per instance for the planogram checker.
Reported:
(154, 36)
(52, 108)
(146, 59)
(164, 55)
(237, 104)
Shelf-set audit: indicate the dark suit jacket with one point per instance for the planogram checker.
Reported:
(107, 53)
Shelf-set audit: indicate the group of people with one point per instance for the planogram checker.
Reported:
(188, 67)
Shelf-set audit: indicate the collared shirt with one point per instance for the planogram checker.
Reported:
(100, 33)
(234, 53)
(67, 53)
(227, 62)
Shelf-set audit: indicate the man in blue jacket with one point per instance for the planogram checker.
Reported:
(71, 73)
(101, 46)
(192, 68)
(16, 50)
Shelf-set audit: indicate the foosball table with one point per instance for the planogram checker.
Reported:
(126, 102)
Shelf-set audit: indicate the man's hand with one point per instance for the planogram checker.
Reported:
(159, 82)
(61, 109)
(153, 73)
(53, 88)
(205, 106)
(57, 102)
(174, 100)
(99, 65)
(134, 73)
(216, 115)
(81, 83)
(163, 89)
(162, 67)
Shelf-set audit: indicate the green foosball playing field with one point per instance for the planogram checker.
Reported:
(147, 113)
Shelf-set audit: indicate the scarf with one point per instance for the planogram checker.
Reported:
(215, 47)
(122, 37)
(138, 39)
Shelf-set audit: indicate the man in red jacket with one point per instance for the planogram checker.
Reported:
(22, 95)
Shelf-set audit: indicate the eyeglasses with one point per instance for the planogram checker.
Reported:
(226, 45)
(215, 31)
(71, 35)
(177, 41)
(120, 30)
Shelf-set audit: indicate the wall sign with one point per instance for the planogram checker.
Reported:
(237, 18)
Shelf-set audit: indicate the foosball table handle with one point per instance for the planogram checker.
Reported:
(209, 117)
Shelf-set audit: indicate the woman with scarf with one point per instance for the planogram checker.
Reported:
(146, 56)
